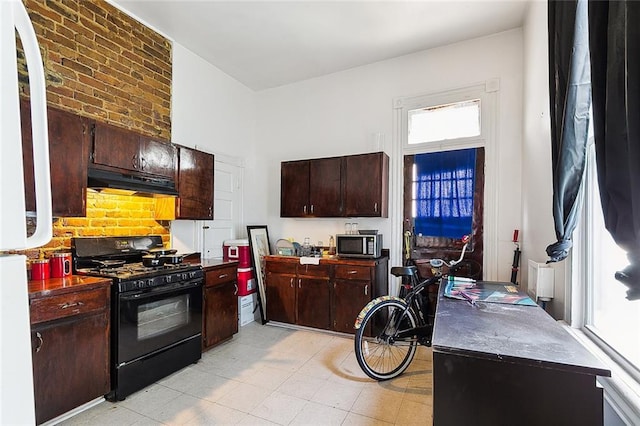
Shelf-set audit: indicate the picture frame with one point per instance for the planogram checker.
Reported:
(260, 247)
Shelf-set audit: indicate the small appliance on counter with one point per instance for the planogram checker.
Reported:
(359, 245)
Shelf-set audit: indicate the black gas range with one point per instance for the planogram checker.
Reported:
(156, 312)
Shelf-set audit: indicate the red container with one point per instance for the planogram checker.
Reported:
(246, 281)
(40, 269)
(237, 250)
(60, 264)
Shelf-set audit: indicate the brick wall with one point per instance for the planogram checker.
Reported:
(108, 215)
(100, 63)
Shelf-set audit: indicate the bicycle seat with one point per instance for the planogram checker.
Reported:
(404, 271)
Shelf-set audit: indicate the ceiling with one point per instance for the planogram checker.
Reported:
(265, 44)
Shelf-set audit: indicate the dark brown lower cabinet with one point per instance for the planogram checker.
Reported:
(327, 296)
(314, 302)
(70, 350)
(220, 319)
(281, 297)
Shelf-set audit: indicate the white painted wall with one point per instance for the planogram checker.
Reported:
(214, 113)
(537, 189)
(343, 113)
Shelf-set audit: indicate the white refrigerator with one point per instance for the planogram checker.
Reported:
(16, 376)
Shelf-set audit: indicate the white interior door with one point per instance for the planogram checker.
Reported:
(227, 209)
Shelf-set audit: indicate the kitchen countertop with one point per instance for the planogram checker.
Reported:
(214, 263)
(55, 286)
(330, 260)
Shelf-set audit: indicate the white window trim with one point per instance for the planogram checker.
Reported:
(487, 93)
(621, 390)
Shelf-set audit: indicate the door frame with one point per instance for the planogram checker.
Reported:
(487, 93)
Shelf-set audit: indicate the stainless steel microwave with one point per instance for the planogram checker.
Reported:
(367, 246)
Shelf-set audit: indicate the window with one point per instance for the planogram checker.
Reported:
(609, 317)
(444, 122)
(442, 193)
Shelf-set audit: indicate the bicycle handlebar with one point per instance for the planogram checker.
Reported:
(437, 263)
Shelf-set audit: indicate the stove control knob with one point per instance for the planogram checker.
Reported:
(139, 284)
(192, 274)
(150, 282)
(168, 278)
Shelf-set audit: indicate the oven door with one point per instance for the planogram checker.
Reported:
(153, 319)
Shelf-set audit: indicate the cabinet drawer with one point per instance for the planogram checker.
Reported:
(322, 271)
(281, 267)
(221, 275)
(351, 272)
(66, 305)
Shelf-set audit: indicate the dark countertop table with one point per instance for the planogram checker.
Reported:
(510, 364)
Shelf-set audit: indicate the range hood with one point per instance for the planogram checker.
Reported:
(143, 185)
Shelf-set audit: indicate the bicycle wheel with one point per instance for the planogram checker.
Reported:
(383, 355)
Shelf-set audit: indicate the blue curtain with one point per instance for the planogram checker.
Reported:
(444, 193)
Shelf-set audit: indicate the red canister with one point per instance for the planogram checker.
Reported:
(60, 264)
(39, 269)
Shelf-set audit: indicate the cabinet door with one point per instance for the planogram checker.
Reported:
(281, 298)
(314, 303)
(68, 151)
(367, 185)
(325, 187)
(157, 157)
(294, 189)
(115, 147)
(221, 313)
(195, 184)
(349, 297)
(70, 363)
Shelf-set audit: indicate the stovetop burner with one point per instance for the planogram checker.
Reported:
(136, 270)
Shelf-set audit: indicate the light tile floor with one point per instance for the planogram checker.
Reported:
(270, 375)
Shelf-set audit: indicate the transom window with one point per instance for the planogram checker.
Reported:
(444, 122)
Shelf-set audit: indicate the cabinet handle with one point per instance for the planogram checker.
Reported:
(210, 211)
(352, 272)
(291, 282)
(134, 161)
(143, 163)
(375, 207)
(71, 305)
(311, 208)
(235, 292)
(304, 209)
(366, 290)
(40, 341)
(223, 276)
(299, 282)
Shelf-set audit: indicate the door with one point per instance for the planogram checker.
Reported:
(367, 185)
(115, 147)
(294, 189)
(281, 294)
(221, 307)
(195, 184)
(349, 297)
(325, 187)
(70, 364)
(68, 153)
(227, 214)
(155, 318)
(313, 303)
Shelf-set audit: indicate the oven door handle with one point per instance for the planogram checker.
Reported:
(163, 289)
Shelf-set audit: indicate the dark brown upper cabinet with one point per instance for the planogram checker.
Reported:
(118, 148)
(195, 184)
(351, 186)
(367, 185)
(69, 139)
(311, 188)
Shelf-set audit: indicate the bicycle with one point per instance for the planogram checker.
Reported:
(389, 328)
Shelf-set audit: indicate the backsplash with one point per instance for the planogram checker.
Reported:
(108, 215)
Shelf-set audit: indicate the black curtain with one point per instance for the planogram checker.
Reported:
(614, 38)
(570, 100)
